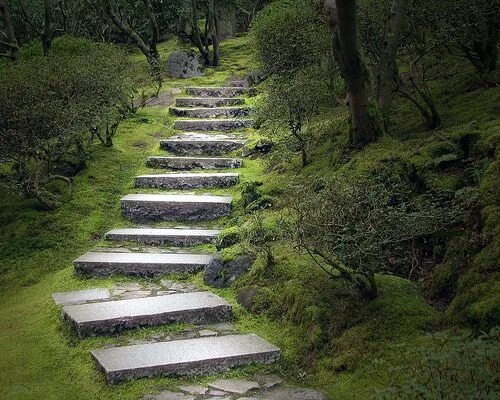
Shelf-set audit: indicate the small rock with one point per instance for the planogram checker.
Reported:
(222, 274)
(175, 91)
(167, 395)
(184, 63)
(284, 393)
(246, 296)
(222, 327)
(128, 286)
(118, 292)
(268, 381)
(194, 389)
(206, 332)
(138, 341)
(217, 393)
(238, 386)
(165, 292)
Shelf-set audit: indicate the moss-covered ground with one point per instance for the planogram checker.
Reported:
(328, 343)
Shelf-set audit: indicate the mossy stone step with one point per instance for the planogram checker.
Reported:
(216, 91)
(199, 143)
(172, 237)
(108, 263)
(211, 112)
(113, 316)
(207, 355)
(175, 207)
(209, 101)
(223, 125)
(190, 180)
(189, 163)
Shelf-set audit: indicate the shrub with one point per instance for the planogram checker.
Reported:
(50, 104)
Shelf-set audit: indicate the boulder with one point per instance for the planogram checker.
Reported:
(222, 274)
(246, 296)
(184, 64)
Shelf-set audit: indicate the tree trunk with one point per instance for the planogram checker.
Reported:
(342, 21)
(47, 33)
(154, 29)
(387, 65)
(212, 28)
(195, 34)
(12, 45)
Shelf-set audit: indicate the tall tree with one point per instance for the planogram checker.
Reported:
(213, 31)
(341, 16)
(8, 38)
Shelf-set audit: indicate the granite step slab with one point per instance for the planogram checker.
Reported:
(210, 112)
(175, 207)
(92, 319)
(195, 144)
(209, 101)
(206, 355)
(185, 181)
(216, 91)
(81, 296)
(171, 237)
(189, 163)
(105, 264)
(213, 124)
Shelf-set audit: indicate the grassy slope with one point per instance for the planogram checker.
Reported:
(40, 358)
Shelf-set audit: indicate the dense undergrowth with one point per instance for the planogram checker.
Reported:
(332, 338)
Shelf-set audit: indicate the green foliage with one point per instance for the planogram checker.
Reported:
(50, 104)
(449, 367)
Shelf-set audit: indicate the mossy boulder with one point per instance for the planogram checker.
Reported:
(222, 273)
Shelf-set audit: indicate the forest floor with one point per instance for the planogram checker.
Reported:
(41, 358)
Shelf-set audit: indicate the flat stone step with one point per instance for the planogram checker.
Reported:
(193, 143)
(104, 264)
(171, 237)
(206, 355)
(183, 181)
(213, 124)
(188, 163)
(175, 207)
(113, 316)
(211, 112)
(216, 91)
(209, 101)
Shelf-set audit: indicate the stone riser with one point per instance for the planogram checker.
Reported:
(162, 239)
(199, 147)
(216, 91)
(210, 112)
(209, 315)
(177, 163)
(144, 211)
(185, 183)
(209, 102)
(212, 125)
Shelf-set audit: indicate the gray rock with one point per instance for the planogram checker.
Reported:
(288, 393)
(246, 296)
(238, 386)
(212, 124)
(268, 381)
(194, 144)
(216, 91)
(172, 237)
(113, 316)
(206, 333)
(184, 64)
(80, 296)
(184, 357)
(194, 389)
(209, 101)
(176, 91)
(103, 264)
(167, 395)
(187, 163)
(174, 207)
(211, 112)
(187, 181)
(222, 274)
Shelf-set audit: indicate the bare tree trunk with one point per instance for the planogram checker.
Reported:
(47, 34)
(342, 20)
(212, 27)
(11, 43)
(195, 35)
(154, 29)
(387, 66)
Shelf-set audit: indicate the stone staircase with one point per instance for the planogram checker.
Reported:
(212, 120)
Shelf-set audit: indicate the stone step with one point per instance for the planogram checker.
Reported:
(171, 237)
(113, 316)
(193, 143)
(211, 112)
(188, 163)
(175, 207)
(183, 181)
(213, 124)
(104, 264)
(216, 91)
(209, 101)
(206, 355)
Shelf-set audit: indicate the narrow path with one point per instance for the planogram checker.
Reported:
(211, 121)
